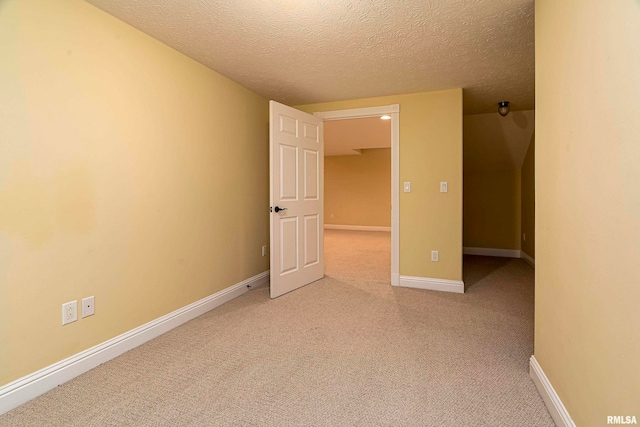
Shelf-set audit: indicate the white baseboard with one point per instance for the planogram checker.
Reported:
(551, 400)
(356, 227)
(33, 385)
(428, 283)
(526, 258)
(506, 253)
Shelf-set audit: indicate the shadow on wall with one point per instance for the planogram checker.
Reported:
(493, 142)
(520, 119)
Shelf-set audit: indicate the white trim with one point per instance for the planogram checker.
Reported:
(506, 253)
(356, 227)
(33, 385)
(394, 111)
(526, 258)
(445, 285)
(395, 279)
(554, 405)
(395, 196)
(358, 112)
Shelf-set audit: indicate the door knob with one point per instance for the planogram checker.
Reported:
(278, 209)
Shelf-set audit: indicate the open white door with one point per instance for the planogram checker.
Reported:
(296, 151)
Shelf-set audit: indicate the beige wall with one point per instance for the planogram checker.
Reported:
(527, 194)
(494, 151)
(588, 205)
(118, 155)
(430, 152)
(492, 209)
(357, 189)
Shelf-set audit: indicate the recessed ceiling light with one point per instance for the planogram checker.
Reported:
(385, 117)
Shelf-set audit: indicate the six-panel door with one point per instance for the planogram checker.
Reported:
(296, 166)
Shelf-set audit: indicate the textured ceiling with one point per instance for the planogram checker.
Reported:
(346, 137)
(493, 142)
(308, 51)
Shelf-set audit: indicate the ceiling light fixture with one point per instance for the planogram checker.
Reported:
(385, 117)
(503, 108)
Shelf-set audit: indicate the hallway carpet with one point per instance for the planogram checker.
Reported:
(348, 350)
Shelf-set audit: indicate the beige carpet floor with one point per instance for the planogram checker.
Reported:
(348, 350)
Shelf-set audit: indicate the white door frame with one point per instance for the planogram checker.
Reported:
(393, 111)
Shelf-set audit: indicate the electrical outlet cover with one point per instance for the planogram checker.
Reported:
(69, 312)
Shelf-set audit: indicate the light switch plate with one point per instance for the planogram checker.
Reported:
(407, 187)
(444, 187)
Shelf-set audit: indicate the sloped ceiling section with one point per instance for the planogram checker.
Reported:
(347, 137)
(307, 51)
(493, 142)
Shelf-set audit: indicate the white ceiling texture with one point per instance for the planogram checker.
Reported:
(307, 51)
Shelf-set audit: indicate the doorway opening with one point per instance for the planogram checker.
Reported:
(498, 188)
(375, 113)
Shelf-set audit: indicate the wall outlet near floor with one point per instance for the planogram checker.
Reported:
(69, 312)
(434, 256)
(264, 250)
(88, 306)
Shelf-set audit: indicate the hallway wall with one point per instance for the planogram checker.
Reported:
(588, 205)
